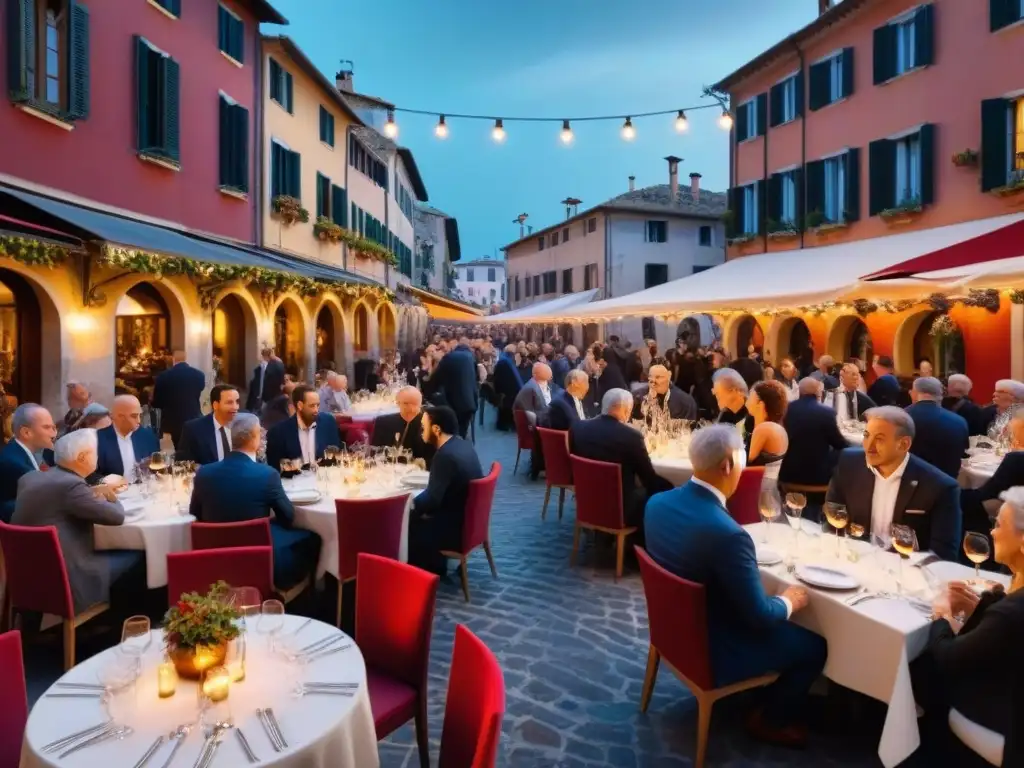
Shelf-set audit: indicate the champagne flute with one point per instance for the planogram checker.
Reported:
(904, 541)
(837, 517)
(795, 503)
(271, 619)
(769, 504)
(136, 639)
(977, 549)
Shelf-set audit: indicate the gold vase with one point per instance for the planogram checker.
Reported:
(191, 663)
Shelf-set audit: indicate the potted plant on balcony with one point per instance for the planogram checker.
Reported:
(327, 230)
(782, 230)
(1014, 184)
(289, 209)
(908, 209)
(966, 159)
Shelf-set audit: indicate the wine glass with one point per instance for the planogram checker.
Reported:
(904, 541)
(837, 517)
(977, 549)
(795, 503)
(136, 639)
(770, 506)
(271, 619)
(854, 531)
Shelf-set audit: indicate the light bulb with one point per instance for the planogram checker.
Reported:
(441, 129)
(566, 134)
(682, 124)
(498, 134)
(390, 127)
(628, 131)
(725, 121)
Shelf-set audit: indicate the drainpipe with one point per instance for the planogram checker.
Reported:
(259, 196)
(387, 226)
(607, 255)
(803, 135)
(348, 164)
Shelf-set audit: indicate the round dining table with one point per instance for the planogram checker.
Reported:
(370, 410)
(320, 730)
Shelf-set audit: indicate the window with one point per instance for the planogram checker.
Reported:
(697, 268)
(323, 196)
(565, 235)
(536, 285)
(902, 170)
(540, 243)
(517, 287)
(908, 169)
(831, 80)
(550, 282)
(1003, 13)
(529, 284)
(494, 294)
(1002, 142)
(281, 89)
(339, 206)
(554, 238)
(784, 201)
(234, 146)
(567, 280)
(787, 99)
(655, 274)
(589, 277)
(503, 292)
(750, 218)
(1017, 130)
(787, 198)
(471, 291)
(173, 7)
(656, 232)
(157, 82)
(835, 190)
(704, 236)
(360, 158)
(231, 34)
(752, 118)
(904, 44)
(592, 224)
(285, 172)
(833, 187)
(469, 275)
(326, 127)
(490, 275)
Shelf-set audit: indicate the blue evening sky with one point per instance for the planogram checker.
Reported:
(549, 58)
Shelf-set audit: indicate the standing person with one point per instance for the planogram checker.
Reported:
(267, 380)
(958, 400)
(306, 434)
(565, 363)
(125, 442)
(208, 439)
(609, 375)
(507, 383)
(34, 433)
(456, 380)
(176, 393)
(823, 372)
(940, 437)
(78, 398)
(749, 368)
(885, 389)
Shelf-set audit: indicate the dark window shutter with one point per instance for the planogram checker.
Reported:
(225, 142)
(240, 147)
(1002, 13)
(275, 170)
(775, 96)
(171, 109)
(847, 72)
(339, 206)
(819, 81)
(21, 48)
(143, 97)
(852, 196)
(798, 186)
(799, 98)
(275, 81)
(288, 104)
(927, 139)
(741, 122)
(222, 29)
(761, 190)
(774, 202)
(881, 165)
(995, 146)
(78, 62)
(736, 206)
(924, 36)
(238, 39)
(175, 7)
(884, 53)
(815, 180)
(762, 114)
(293, 180)
(320, 202)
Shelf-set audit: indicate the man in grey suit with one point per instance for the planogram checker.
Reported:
(535, 400)
(63, 499)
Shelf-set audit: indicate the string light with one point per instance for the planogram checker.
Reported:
(441, 129)
(566, 136)
(498, 134)
(682, 124)
(390, 127)
(628, 131)
(725, 121)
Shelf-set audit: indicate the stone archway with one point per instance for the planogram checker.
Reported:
(361, 328)
(787, 337)
(849, 338)
(290, 324)
(386, 326)
(235, 338)
(914, 341)
(30, 341)
(149, 323)
(743, 330)
(331, 336)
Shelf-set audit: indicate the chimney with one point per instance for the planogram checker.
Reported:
(695, 186)
(824, 5)
(673, 176)
(344, 77)
(632, 183)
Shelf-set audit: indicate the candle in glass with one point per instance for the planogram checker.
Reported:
(217, 684)
(166, 679)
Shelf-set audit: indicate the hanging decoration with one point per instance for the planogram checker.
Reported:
(987, 298)
(33, 253)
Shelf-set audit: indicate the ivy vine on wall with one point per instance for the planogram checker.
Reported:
(31, 252)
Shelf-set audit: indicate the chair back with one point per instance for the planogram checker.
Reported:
(524, 434)
(395, 617)
(555, 445)
(677, 615)
(474, 706)
(342, 418)
(371, 526)
(248, 533)
(598, 487)
(239, 566)
(37, 577)
(743, 504)
(13, 698)
(476, 523)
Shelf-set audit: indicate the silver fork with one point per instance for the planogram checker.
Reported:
(177, 736)
(61, 743)
(115, 733)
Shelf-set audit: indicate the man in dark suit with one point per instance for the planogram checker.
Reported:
(238, 488)
(267, 380)
(958, 400)
(564, 363)
(815, 441)
(208, 438)
(884, 484)
(610, 438)
(941, 437)
(749, 369)
(404, 428)
(730, 391)
(536, 395)
(34, 432)
(1008, 474)
(571, 404)
(679, 404)
(455, 379)
(176, 393)
(439, 511)
(691, 534)
(885, 389)
(848, 402)
(306, 434)
(507, 383)
(125, 442)
(610, 374)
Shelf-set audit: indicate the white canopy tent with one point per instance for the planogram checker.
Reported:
(560, 307)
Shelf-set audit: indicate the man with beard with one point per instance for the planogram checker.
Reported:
(404, 428)
(306, 434)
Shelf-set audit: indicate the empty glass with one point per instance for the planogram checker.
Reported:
(136, 639)
(770, 506)
(271, 620)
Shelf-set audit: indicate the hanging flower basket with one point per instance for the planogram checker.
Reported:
(904, 213)
(782, 230)
(966, 159)
(289, 210)
(1013, 186)
(327, 230)
(742, 239)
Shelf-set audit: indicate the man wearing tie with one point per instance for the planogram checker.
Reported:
(304, 435)
(34, 432)
(208, 438)
(123, 444)
(568, 408)
(267, 380)
(404, 428)
(176, 393)
(849, 403)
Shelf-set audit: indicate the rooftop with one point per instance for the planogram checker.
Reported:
(265, 12)
(296, 54)
(485, 261)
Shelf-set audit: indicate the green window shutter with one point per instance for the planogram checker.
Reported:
(355, 217)
(847, 72)
(322, 121)
(222, 29)
(799, 100)
(275, 170)
(927, 139)
(240, 147)
(741, 122)
(774, 203)
(924, 35)
(224, 111)
(339, 206)
(237, 27)
(171, 109)
(775, 97)
(288, 104)
(143, 97)
(819, 90)
(884, 53)
(294, 175)
(881, 162)
(798, 185)
(761, 190)
(78, 62)
(995, 144)
(1002, 13)
(174, 6)
(762, 114)
(319, 194)
(736, 207)
(21, 49)
(852, 171)
(275, 82)
(815, 180)
(330, 129)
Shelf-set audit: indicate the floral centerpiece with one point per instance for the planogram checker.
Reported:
(199, 628)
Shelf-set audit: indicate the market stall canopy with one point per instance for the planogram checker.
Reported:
(543, 309)
(443, 308)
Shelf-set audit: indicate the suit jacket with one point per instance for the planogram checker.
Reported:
(749, 369)
(815, 442)
(14, 462)
(144, 441)
(986, 418)
(444, 498)
(273, 381)
(1009, 473)
(456, 380)
(283, 439)
(863, 402)
(560, 368)
(922, 487)
(562, 413)
(507, 380)
(941, 437)
(63, 499)
(971, 412)
(885, 390)
(611, 378)
(531, 400)
(680, 404)
(690, 533)
(386, 427)
(198, 440)
(176, 393)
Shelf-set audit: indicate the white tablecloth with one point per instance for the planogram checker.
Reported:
(870, 645)
(676, 469)
(322, 731)
(370, 411)
(979, 470)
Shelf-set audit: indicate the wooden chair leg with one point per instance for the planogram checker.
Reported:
(703, 728)
(653, 661)
(516, 467)
(337, 614)
(423, 735)
(490, 559)
(561, 501)
(69, 644)
(465, 579)
(575, 545)
(620, 551)
(544, 509)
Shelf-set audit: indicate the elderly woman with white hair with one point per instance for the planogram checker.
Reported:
(1006, 399)
(971, 661)
(731, 391)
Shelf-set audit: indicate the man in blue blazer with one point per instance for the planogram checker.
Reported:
(941, 437)
(208, 438)
(306, 434)
(455, 380)
(124, 443)
(690, 533)
(176, 393)
(571, 404)
(238, 488)
(34, 433)
(885, 389)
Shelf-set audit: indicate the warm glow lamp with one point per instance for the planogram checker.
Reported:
(682, 124)
(498, 134)
(725, 121)
(566, 134)
(390, 127)
(441, 129)
(628, 131)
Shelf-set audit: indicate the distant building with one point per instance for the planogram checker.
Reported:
(482, 281)
(436, 247)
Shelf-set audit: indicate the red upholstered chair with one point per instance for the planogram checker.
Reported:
(557, 469)
(677, 615)
(239, 566)
(13, 698)
(370, 526)
(342, 419)
(524, 434)
(599, 504)
(476, 526)
(743, 504)
(394, 619)
(474, 707)
(37, 580)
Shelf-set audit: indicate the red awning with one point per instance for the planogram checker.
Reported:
(1007, 242)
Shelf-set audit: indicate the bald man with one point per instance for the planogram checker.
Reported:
(536, 395)
(404, 428)
(124, 443)
(678, 403)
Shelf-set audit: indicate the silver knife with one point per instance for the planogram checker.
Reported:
(101, 736)
(262, 715)
(212, 751)
(304, 624)
(150, 752)
(53, 746)
(326, 652)
(277, 727)
(245, 746)
(201, 760)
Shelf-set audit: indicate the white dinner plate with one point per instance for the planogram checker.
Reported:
(416, 479)
(768, 557)
(303, 496)
(826, 577)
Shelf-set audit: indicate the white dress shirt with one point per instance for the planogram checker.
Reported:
(545, 391)
(263, 375)
(579, 407)
(31, 456)
(217, 427)
(842, 404)
(124, 445)
(883, 500)
(307, 441)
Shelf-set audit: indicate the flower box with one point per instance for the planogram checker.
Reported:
(1014, 186)
(327, 230)
(783, 234)
(966, 159)
(741, 239)
(289, 210)
(904, 213)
